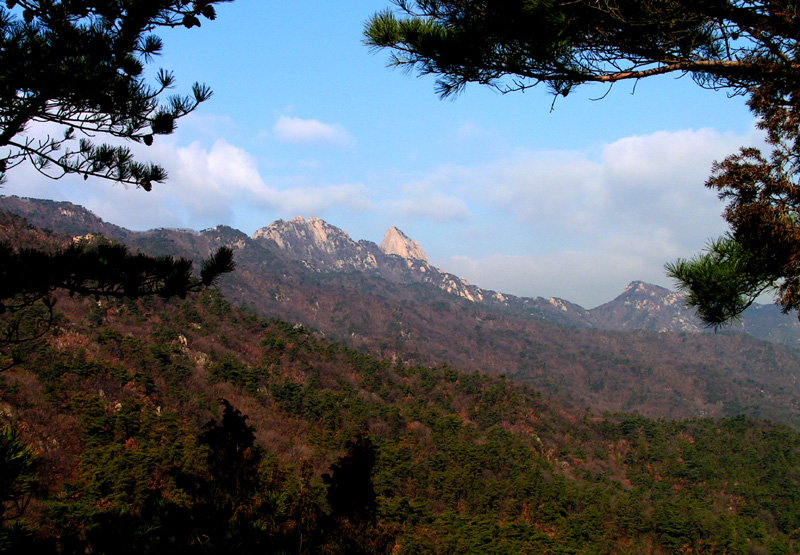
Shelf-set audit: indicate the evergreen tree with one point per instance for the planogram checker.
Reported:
(28, 277)
(350, 490)
(746, 47)
(233, 456)
(16, 472)
(352, 526)
(79, 64)
(17, 464)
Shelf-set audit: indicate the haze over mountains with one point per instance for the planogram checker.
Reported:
(133, 453)
(641, 352)
(322, 247)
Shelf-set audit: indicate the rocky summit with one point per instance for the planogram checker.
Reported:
(319, 245)
(640, 352)
(396, 242)
(323, 248)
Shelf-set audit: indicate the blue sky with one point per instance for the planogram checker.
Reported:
(575, 202)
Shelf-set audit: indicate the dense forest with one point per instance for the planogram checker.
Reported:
(183, 426)
(657, 374)
(131, 423)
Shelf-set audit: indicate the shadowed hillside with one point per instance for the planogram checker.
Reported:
(657, 374)
(135, 453)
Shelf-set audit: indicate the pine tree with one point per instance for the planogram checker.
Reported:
(745, 47)
(78, 65)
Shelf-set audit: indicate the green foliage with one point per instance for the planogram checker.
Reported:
(745, 47)
(290, 396)
(342, 453)
(721, 283)
(16, 474)
(228, 369)
(517, 44)
(81, 65)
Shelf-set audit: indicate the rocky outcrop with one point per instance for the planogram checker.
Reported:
(325, 248)
(643, 306)
(321, 247)
(396, 242)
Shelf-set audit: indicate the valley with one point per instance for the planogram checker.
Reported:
(642, 352)
(399, 417)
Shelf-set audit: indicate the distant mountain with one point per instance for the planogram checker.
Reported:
(188, 426)
(641, 352)
(321, 247)
(324, 248)
(643, 306)
(396, 242)
(63, 217)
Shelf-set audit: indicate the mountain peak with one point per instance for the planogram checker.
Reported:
(318, 244)
(397, 242)
(635, 286)
(648, 307)
(640, 288)
(309, 232)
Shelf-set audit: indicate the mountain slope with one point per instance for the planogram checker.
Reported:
(401, 313)
(137, 455)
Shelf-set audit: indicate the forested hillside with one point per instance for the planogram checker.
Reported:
(191, 426)
(657, 374)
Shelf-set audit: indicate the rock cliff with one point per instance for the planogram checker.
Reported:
(396, 242)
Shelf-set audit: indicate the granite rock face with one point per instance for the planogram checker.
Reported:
(321, 247)
(396, 242)
(325, 248)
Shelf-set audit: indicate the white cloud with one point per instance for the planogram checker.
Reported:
(470, 131)
(317, 200)
(214, 181)
(581, 225)
(292, 129)
(427, 200)
(632, 186)
(434, 207)
(206, 186)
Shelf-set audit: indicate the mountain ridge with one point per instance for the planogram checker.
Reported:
(641, 306)
(322, 247)
(411, 322)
